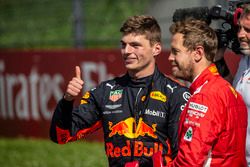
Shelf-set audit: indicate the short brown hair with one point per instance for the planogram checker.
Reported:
(197, 32)
(142, 25)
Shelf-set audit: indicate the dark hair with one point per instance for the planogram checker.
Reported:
(142, 25)
(197, 32)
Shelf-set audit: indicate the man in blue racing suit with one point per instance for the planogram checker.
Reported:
(139, 111)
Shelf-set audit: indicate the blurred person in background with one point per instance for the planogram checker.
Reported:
(139, 111)
(212, 130)
(241, 81)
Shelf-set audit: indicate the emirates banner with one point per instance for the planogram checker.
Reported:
(31, 83)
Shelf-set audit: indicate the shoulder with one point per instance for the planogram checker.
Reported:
(173, 88)
(168, 79)
(114, 82)
(172, 82)
(217, 90)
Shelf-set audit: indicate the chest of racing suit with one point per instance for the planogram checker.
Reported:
(139, 118)
(212, 125)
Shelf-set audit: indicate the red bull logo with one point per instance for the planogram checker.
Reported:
(139, 149)
(120, 128)
(126, 128)
(84, 97)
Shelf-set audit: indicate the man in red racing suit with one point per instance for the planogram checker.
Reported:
(213, 125)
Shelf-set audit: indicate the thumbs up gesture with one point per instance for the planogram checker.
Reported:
(75, 86)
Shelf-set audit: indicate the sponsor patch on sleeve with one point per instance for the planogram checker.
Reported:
(197, 107)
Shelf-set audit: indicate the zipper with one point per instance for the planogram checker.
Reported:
(135, 124)
(136, 107)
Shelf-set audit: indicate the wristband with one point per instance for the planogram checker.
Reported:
(222, 67)
(68, 97)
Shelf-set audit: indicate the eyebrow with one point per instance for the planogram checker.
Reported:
(131, 43)
(245, 28)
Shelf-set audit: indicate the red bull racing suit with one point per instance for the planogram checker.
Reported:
(139, 118)
(212, 125)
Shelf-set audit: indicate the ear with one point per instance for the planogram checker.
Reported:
(157, 49)
(198, 53)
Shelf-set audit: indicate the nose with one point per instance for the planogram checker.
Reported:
(128, 49)
(241, 32)
(170, 57)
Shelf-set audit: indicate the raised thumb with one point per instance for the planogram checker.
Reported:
(78, 72)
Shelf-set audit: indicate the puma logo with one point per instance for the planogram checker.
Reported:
(171, 88)
(111, 86)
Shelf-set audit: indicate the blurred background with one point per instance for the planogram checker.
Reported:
(80, 23)
(41, 41)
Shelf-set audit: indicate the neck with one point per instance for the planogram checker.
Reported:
(200, 67)
(142, 73)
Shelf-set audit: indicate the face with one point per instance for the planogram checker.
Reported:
(180, 58)
(244, 34)
(139, 55)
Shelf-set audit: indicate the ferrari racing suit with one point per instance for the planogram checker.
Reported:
(212, 125)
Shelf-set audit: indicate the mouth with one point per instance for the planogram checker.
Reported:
(129, 60)
(174, 67)
(173, 64)
(244, 44)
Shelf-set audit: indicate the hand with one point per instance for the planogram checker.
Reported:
(75, 86)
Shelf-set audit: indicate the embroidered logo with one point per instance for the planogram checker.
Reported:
(189, 134)
(198, 107)
(109, 85)
(86, 95)
(115, 95)
(157, 95)
(84, 98)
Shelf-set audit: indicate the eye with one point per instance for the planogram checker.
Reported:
(123, 45)
(135, 44)
(247, 29)
(174, 51)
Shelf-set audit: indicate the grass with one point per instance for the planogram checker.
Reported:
(44, 153)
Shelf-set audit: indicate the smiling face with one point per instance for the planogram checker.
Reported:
(181, 59)
(139, 55)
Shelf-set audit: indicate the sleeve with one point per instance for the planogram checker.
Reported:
(177, 103)
(201, 123)
(72, 123)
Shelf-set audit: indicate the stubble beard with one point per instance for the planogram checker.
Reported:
(184, 73)
(245, 50)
